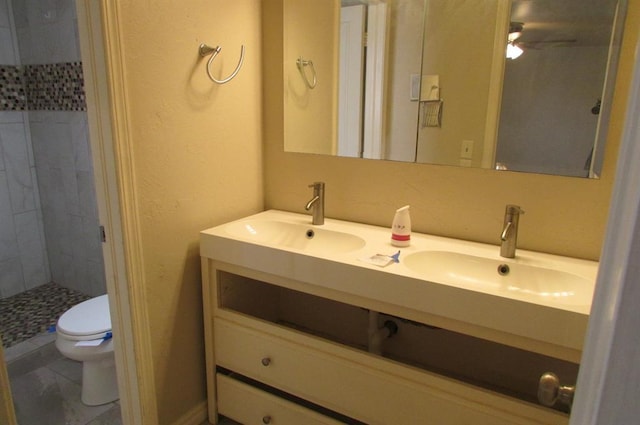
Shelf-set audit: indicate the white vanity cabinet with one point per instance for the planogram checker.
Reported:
(283, 352)
(293, 320)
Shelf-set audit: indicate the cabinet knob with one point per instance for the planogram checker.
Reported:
(266, 419)
(266, 361)
(550, 391)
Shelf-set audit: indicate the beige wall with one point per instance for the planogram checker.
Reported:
(404, 59)
(194, 148)
(563, 215)
(459, 48)
(312, 29)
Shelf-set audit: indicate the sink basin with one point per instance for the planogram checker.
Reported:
(304, 237)
(494, 275)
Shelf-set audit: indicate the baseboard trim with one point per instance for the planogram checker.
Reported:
(196, 416)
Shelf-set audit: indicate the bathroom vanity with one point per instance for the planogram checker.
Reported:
(303, 326)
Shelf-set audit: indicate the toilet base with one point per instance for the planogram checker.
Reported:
(99, 381)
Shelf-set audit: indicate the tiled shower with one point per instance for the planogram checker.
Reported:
(49, 228)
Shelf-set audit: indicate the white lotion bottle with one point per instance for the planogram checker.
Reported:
(401, 227)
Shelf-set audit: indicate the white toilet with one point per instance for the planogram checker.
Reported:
(84, 334)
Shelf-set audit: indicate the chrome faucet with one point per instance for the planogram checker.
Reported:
(509, 236)
(317, 203)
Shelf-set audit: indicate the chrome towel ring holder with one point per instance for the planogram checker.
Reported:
(302, 63)
(206, 50)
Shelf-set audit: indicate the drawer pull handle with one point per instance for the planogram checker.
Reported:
(266, 362)
(266, 419)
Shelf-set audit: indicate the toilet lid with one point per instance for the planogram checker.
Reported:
(87, 318)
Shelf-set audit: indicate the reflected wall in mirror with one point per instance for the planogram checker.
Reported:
(428, 81)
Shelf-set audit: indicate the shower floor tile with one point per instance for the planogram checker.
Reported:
(33, 312)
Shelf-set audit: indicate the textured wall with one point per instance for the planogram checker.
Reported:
(196, 153)
(310, 27)
(465, 62)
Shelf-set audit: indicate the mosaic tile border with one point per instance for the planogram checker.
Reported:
(12, 93)
(55, 87)
(48, 87)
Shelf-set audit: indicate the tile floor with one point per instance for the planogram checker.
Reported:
(46, 387)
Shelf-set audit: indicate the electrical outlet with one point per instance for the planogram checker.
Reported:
(466, 150)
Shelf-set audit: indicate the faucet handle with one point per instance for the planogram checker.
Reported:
(317, 185)
(505, 231)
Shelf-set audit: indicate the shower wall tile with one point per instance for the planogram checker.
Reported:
(13, 95)
(52, 144)
(92, 270)
(27, 134)
(69, 272)
(80, 139)
(7, 117)
(79, 254)
(22, 247)
(47, 31)
(49, 181)
(7, 54)
(55, 264)
(11, 277)
(19, 10)
(8, 242)
(67, 193)
(91, 239)
(55, 87)
(87, 196)
(48, 207)
(48, 87)
(4, 14)
(70, 190)
(17, 165)
(11, 280)
(30, 247)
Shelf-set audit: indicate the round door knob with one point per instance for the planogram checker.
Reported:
(266, 362)
(266, 419)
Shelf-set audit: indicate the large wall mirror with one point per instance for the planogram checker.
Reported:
(521, 85)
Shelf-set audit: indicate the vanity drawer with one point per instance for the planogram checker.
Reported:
(249, 405)
(361, 386)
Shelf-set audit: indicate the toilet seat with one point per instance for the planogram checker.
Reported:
(86, 321)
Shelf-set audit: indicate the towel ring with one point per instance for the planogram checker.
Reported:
(213, 51)
(301, 63)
